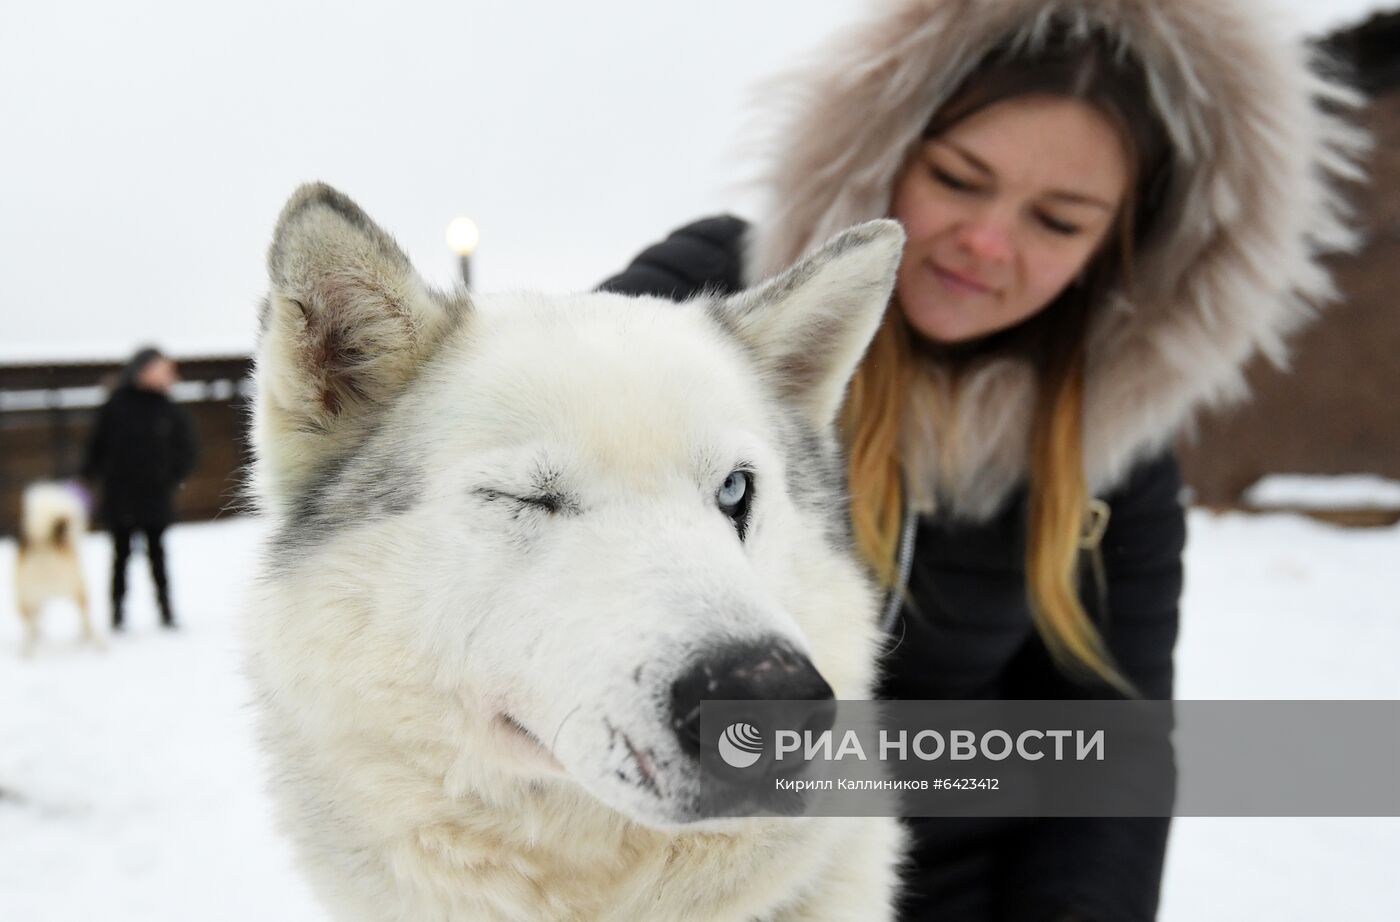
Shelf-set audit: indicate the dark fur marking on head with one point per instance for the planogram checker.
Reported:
(349, 489)
(817, 478)
(264, 315)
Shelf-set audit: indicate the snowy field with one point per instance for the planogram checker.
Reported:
(132, 791)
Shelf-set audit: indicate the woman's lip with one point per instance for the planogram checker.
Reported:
(960, 281)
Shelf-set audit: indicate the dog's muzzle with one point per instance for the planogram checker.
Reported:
(750, 672)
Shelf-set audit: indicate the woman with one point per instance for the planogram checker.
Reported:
(1111, 205)
(141, 448)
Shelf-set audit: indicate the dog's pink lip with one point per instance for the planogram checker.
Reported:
(961, 279)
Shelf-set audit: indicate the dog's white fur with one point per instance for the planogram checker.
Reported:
(48, 566)
(463, 695)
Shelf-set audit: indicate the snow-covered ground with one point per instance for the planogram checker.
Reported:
(1301, 491)
(132, 789)
(131, 780)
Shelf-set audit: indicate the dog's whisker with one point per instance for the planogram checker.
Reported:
(555, 739)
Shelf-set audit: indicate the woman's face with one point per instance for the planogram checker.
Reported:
(1003, 210)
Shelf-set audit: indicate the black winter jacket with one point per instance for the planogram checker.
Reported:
(968, 634)
(141, 448)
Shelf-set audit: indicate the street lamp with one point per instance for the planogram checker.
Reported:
(462, 238)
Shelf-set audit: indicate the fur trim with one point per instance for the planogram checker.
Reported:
(1261, 147)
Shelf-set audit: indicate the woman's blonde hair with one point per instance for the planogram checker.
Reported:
(1084, 67)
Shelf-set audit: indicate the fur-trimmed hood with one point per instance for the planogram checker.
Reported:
(1259, 153)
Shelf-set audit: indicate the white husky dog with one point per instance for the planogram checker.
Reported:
(516, 539)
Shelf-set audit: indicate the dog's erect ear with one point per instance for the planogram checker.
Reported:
(808, 327)
(346, 326)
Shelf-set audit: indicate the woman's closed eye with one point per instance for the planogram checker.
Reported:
(952, 180)
(1058, 226)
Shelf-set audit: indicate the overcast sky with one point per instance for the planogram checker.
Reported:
(149, 144)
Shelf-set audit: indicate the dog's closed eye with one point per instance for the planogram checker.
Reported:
(548, 502)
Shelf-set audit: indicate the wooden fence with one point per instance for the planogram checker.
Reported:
(46, 412)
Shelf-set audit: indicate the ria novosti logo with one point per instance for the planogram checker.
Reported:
(741, 745)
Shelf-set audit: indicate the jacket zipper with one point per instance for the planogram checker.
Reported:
(1091, 542)
(904, 562)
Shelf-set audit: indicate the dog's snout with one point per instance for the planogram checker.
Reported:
(749, 672)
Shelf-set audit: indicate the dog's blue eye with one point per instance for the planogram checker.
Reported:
(735, 488)
(734, 497)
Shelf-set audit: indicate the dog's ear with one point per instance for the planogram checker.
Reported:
(346, 326)
(808, 327)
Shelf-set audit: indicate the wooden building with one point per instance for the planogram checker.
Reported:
(46, 412)
(1337, 410)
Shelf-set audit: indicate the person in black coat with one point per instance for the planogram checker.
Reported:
(1086, 234)
(141, 448)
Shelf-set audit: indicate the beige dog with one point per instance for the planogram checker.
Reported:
(52, 523)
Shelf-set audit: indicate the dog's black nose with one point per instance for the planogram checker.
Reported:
(751, 672)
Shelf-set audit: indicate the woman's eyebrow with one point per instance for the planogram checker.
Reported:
(1080, 198)
(1064, 196)
(973, 160)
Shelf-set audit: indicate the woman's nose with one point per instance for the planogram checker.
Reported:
(986, 238)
